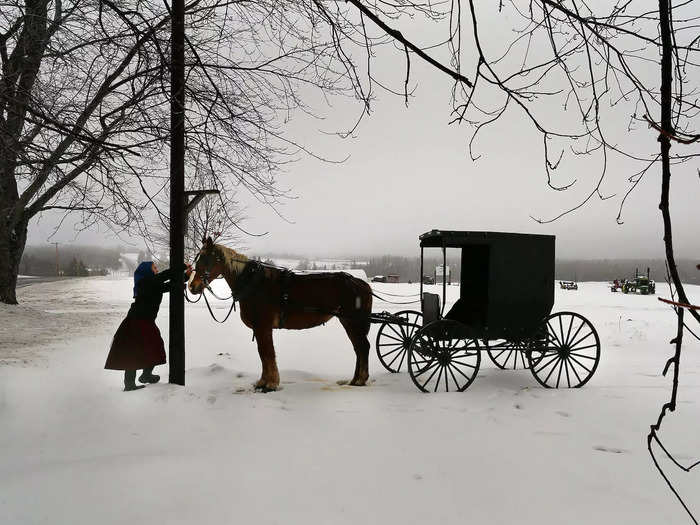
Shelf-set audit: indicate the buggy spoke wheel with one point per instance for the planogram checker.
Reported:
(394, 338)
(567, 352)
(509, 355)
(442, 358)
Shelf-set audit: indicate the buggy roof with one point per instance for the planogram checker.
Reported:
(458, 239)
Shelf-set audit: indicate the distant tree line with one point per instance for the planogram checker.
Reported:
(73, 261)
(609, 269)
(408, 268)
(306, 264)
(77, 268)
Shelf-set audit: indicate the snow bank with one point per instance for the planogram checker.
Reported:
(78, 450)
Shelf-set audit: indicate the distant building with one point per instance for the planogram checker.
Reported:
(438, 275)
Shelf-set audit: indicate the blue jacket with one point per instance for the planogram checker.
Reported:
(149, 289)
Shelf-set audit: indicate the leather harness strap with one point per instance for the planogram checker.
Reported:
(284, 296)
(250, 278)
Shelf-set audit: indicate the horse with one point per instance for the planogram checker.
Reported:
(276, 298)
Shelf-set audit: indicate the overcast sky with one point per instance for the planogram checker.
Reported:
(409, 172)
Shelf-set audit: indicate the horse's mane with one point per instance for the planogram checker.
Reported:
(234, 261)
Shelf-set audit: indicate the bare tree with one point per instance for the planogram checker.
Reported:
(84, 101)
(83, 95)
(585, 76)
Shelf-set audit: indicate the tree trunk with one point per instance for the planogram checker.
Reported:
(665, 141)
(667, 50)
(13, 238)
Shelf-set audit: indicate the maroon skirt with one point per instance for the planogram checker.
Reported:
(136, 344)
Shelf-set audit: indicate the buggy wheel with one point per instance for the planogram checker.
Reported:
(567, 351)
(394, 338)
(509, 355)
(443, 358)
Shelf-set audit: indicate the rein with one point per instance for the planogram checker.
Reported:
(211, 312)
(401, 295)
(394, 302)
(187, 297)
(207, 286)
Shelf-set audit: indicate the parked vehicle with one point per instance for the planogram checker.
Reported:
(498, 311)
(617, 284)
(641, 284)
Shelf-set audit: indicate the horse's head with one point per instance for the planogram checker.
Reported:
(209, 264)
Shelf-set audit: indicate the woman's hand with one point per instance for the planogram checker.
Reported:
(188, 270)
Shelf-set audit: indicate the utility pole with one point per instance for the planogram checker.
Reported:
(180, 202)
(57, 268)
(176, 349)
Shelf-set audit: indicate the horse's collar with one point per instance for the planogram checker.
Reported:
(245, 282)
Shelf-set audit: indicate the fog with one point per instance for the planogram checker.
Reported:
(408, 171)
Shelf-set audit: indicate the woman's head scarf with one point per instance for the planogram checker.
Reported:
(145, 269)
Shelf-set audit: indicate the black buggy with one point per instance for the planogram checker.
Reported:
(506, 296)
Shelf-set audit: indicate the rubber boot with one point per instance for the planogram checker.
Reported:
(130, 381)
(148, 376)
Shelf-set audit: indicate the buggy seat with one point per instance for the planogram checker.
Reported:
(430, 304)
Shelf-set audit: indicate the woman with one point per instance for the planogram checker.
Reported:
(137, 342)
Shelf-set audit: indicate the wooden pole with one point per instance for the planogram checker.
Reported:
(176, 349)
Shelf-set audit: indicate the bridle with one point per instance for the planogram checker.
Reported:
(205, 275)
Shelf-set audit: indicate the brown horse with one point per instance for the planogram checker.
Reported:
(277, 298)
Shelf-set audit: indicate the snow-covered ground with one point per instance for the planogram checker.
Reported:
(75, 449)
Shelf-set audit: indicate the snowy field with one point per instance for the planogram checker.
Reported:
(75, 449)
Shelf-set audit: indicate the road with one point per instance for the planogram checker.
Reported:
(26, 281)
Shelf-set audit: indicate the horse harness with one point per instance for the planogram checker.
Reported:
(253, 273)
(252, 276)
(285, 277)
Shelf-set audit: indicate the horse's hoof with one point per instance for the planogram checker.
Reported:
(265, 387)
(358, 382)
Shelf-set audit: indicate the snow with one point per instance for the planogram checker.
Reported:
(78, 450)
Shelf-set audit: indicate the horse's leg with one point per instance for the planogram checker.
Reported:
(270, 378)
(357, 331)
